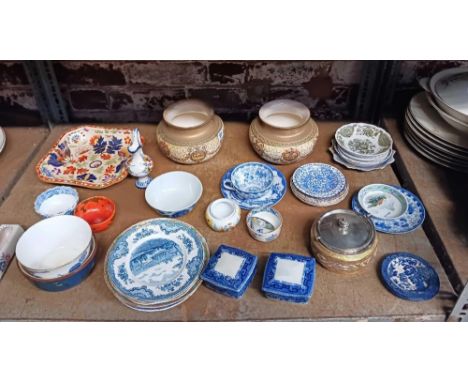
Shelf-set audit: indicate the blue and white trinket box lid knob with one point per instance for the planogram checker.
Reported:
(230, 271)
(289, 277)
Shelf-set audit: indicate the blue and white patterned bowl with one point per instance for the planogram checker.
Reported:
(319, 180)
(250, 180)
(55, 201)
(289, 277)
(54, 247)
(174, 194)
(409, 277)
(264, 224)
(230, 271)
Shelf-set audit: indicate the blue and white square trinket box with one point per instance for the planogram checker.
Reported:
(230, 271)
(289, 277)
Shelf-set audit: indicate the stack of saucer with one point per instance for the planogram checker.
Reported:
(363, 147)
(319, 184)
(253, 185)
(156, 264)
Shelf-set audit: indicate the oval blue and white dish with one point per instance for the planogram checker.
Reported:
(409, 277)
(60, 200)
(156, 261)
(319, 180)
(408, 222)
(273, 196)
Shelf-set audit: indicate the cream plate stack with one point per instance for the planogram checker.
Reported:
(361, 146)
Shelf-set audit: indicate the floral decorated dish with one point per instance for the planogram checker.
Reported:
(60, 200)
(88, 156)
(382, 201)
(364, 140)
(264, 224)
(98, 211)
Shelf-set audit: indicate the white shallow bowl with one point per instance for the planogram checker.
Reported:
(284, 113)
(174, 193)
(60, 200)
(55, 246)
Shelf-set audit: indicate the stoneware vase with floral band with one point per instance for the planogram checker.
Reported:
(190, 132)
(283, 133)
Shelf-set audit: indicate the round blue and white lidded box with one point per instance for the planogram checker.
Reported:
(319, 180)
(409, 277)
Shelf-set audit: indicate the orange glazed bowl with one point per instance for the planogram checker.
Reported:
(98, 211)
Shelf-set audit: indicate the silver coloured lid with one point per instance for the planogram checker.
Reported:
(345, 231)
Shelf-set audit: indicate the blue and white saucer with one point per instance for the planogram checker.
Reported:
(409, 277)
(408, 222)
(272, 197)
(319, 180)
(156, 262)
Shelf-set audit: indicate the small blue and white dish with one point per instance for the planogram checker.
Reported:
(409, 277)
(60, 200)
(319, 180)
(250, 180)
(289, 277)
(408, 222)
(264, 224)
(273, 196)
(230, 271)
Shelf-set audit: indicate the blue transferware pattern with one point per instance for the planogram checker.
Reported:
(234, 294)
(408, 222)
(139, 164)
(250, 180)
(176, 214)
(299, 290)
(59, 190)
(269, 199)
(236, 284)
(156, 261)
(319, 180)
(409, 277)
(264, 229)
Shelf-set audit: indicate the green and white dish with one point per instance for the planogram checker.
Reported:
(382, 201)
(364, 140)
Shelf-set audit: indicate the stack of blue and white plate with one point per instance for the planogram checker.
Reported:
(361, 146)
(254, 185)
(319, 184)
(156, 264)
(392, 209)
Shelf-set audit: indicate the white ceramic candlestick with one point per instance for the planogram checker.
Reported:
(140, 164)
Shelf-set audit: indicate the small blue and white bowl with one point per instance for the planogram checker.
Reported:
(250, 180)
(174, 194)
(289, 277)
(54, 247)
(67, 281)
(230, 271)
(264, 224)
(55, 201)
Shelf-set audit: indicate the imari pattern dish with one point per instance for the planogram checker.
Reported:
(273, 196)
(60, 200)
(88, 156)
(407, 222)
(409, 277)
(230, 271)
(223, 214)
(67, 281)
(264, 224)
(155, 263)
(289, 277)
(382, 201)
(363, 140)
(9, 236)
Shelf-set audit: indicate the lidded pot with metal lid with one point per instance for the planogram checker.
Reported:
(190, 132)
(283, 133)
(343, 241)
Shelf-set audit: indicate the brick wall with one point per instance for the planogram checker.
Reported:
(125, 91)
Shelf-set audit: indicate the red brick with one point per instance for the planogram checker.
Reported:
(88, 99)
(88, 73)
(227, 72)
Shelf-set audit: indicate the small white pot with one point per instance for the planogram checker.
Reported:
(223, 215)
